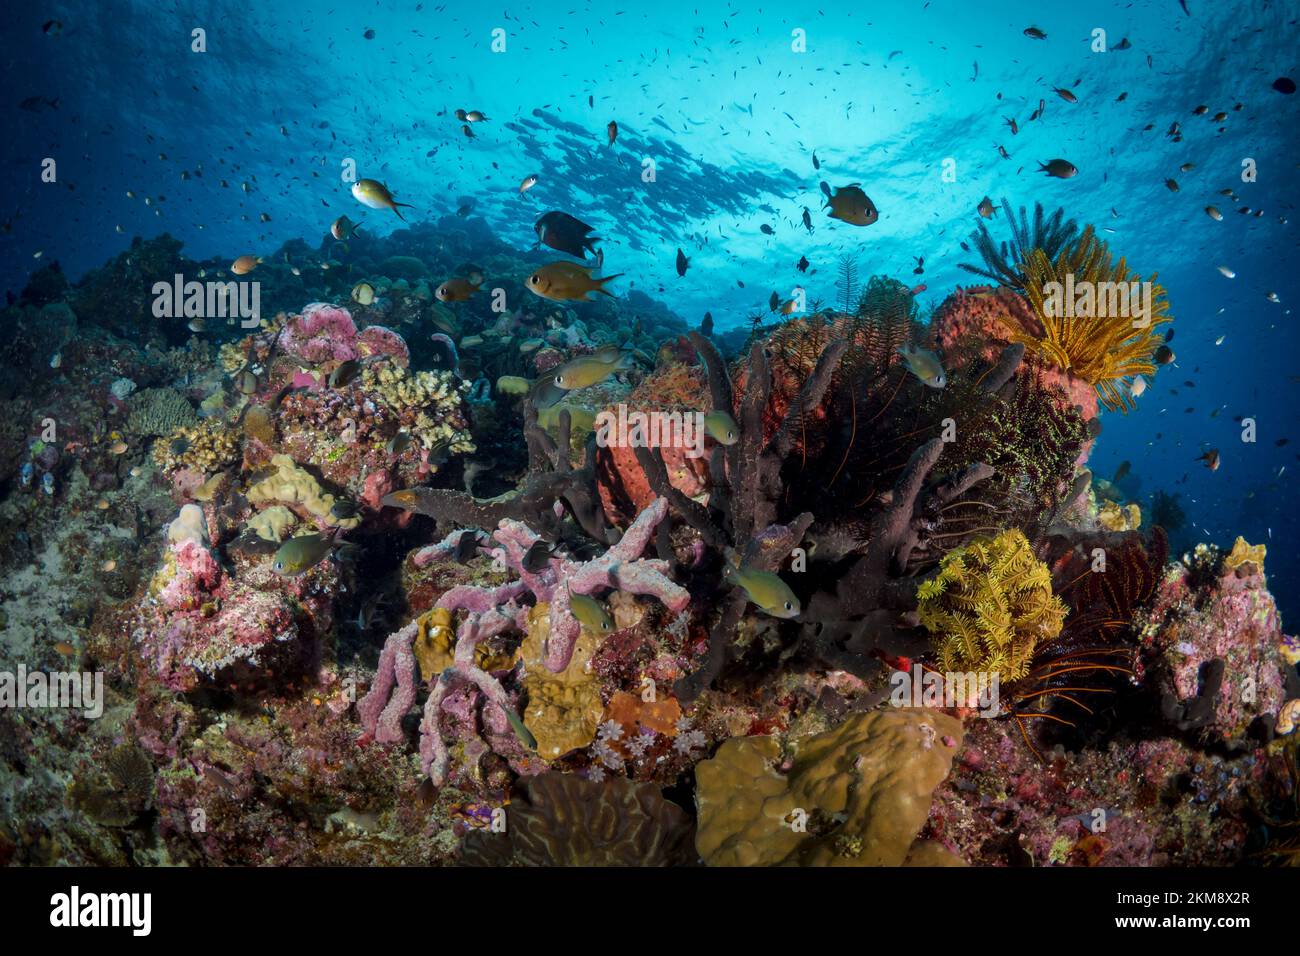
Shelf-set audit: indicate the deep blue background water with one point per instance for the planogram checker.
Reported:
(732, 116)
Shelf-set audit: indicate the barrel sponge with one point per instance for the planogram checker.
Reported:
(864, 789)
(291, 485)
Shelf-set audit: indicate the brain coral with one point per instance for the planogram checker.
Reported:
(990, 606)
(854, 796)
(158, 411)
(563, 820)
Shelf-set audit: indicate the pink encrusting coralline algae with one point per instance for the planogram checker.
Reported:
(323, 333)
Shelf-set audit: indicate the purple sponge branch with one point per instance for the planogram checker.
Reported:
(393, 691)
(479, 600)
(620, 567)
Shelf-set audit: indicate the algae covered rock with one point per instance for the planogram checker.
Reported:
(853, 796)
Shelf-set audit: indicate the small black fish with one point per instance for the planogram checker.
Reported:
(466, 547)
(802, 264)
(536, 557)
(706, 324)
(344, 508)
(439, 454)
(38, 104)
(767, 230)
(398, 443)
(817, 163)
(682, 262)
(344, 373)
(566, 233)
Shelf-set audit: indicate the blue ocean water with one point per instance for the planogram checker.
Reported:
(729, 102)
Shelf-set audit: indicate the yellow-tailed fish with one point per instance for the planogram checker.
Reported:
(590, 613)
(344, 228)
(372, 193)
(590, 369)
(345, 372)
(458, 289)
(245, 264)
(302, 553)
(567, 282)
(580, 419)
(925, 365)
(398, 443)
(850, 204)
(722, 428)
(766, 590)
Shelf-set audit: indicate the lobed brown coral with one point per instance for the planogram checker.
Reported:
(563, 820)
(856, 795)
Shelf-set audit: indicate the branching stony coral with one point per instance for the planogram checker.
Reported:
(990, 606)
(434, 399)
(1110, 340)
(207, 447)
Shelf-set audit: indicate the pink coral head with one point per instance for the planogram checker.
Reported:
(380, 340)
(302, 379)
(322, 332)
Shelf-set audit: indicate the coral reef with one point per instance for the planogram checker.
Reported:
(1212, 645)
(513, 641)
